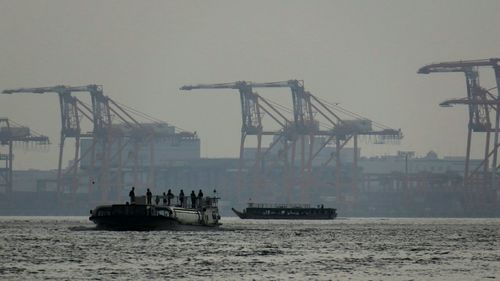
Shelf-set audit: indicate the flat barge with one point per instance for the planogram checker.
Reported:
(262, 211)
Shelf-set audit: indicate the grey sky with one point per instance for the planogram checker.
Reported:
(362, 54)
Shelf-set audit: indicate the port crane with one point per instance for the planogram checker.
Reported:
(304, 126)
(303, 119)
(307, 108)
(253, 107)
(484, 117)
(101, 113)
(70, 122)
(8, 136)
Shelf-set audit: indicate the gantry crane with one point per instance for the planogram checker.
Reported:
(101, 113)
(8, 136)
(343, 130)
(70, 123)
(112, 139)
(303, 119)
(253, 106)
(306, 109)
(302, 111)
(483, 107)
(304, 124)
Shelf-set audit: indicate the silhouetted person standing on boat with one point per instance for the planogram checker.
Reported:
(200, 198)
(131, 194)
(181, 198)
(149, 195)
(157, 200)
(193, 200)
(164, 198)
(170, 196)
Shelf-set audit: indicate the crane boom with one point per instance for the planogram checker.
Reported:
(250, 108)
(458, 66)
(279, 84)
(233, 85)
(39, 90)
(243, 84)
(54, 89)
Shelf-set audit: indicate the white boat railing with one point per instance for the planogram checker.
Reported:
(186, 203)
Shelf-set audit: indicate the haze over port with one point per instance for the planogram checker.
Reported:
(268, 140)
(363, 55)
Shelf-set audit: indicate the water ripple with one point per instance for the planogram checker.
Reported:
(58, 248)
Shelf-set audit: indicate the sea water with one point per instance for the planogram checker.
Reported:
(70, 248)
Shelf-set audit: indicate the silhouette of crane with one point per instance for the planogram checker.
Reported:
(304, 127)
(484, 118)
(100, 113)
(253, 106)
(482, 104)
(8, 136)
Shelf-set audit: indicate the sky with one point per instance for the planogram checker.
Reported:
(361, 54)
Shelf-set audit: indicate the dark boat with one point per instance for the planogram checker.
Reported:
(156, 217)
(286, 211)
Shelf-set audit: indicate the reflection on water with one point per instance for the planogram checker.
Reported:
(63, 248)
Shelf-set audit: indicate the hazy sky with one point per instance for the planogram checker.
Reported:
(361, 54)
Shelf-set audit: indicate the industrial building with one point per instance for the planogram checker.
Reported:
(384, 188)
(166, 146)
(323, 157)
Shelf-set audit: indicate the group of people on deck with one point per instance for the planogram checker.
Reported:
(196, 200)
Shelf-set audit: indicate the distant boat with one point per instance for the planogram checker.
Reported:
(156, 217)
(261, 211)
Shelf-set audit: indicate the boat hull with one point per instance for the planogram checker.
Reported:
(286, 214)
(148, 217)
(134, 223)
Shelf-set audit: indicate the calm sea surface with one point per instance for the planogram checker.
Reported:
(69, 248)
